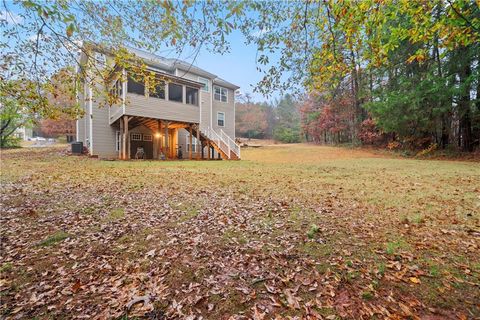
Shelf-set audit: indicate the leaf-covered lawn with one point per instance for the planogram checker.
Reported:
(289, 232)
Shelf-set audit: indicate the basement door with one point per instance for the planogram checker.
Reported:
(144, 141)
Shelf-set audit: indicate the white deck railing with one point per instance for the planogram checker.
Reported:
(223, 141)
(232, 145)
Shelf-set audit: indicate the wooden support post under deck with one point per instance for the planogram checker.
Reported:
(208, 147)
(190, 150)
(167, 153)
(125, 139)
(159, 142)
(175, 146)
(198, 139)
(126, 119)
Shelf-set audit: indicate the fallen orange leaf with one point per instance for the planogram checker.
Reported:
(414, 280)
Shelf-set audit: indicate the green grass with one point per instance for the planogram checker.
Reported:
(395, 246)
(6, 267)
(55, 238)
(312, 231)
(367, 295)
(116, 213)
(255, 217)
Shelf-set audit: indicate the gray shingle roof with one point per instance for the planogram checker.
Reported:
(172, 64)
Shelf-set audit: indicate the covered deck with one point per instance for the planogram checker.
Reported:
(157, 137)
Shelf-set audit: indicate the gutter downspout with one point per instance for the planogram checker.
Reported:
(234, 115)
(90, 106)
(211, 105)
(200, 93)
(85, 115)
(211, 110)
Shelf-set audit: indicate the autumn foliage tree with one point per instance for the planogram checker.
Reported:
(328, 119)
(410, 66)
(252, 120)
(58, 127)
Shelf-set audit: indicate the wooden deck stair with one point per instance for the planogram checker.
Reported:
(221, 142)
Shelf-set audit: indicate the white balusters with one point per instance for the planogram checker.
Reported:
(223, 141)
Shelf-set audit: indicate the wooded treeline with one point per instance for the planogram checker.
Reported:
(377, 72)
(279, 120)
(431, 101)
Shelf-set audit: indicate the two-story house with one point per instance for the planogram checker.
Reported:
(192, 110)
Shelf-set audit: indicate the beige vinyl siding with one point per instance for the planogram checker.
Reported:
(183, 140)
(228, 109)
(138, 105)
(81, 121)
(80, 130)
(115, 113)
(206, 101)
(103, 134)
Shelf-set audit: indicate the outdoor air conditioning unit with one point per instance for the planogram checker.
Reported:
(77, 147)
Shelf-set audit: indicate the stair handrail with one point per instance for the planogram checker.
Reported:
(213, 135)
(231, 143)
(225, 138)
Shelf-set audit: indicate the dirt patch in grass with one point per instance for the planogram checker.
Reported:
(295, 230)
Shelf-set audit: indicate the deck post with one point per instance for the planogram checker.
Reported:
(126, 119)
(191, 146)
(159, 143)
(125, 145)
(198, 139)
(175, 143)
(208, 148)
(167, 153)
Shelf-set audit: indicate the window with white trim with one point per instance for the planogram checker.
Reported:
(194, 143)
(205, 82)
(191, 95)
(117, 89)
(136, 136)
(134, 86)
(221, 119)
(158, 91)
(175, 92)
(147, 137)
(117, 140)
(220, 94)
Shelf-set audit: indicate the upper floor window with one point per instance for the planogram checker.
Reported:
(220, 94)
(205, 82)
(221, 119)
(192, 96)
(175, 92)
(117, 89)
(135, 87)
(158, 91)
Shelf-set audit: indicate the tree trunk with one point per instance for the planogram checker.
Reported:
(465, 125)
(356, 103)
